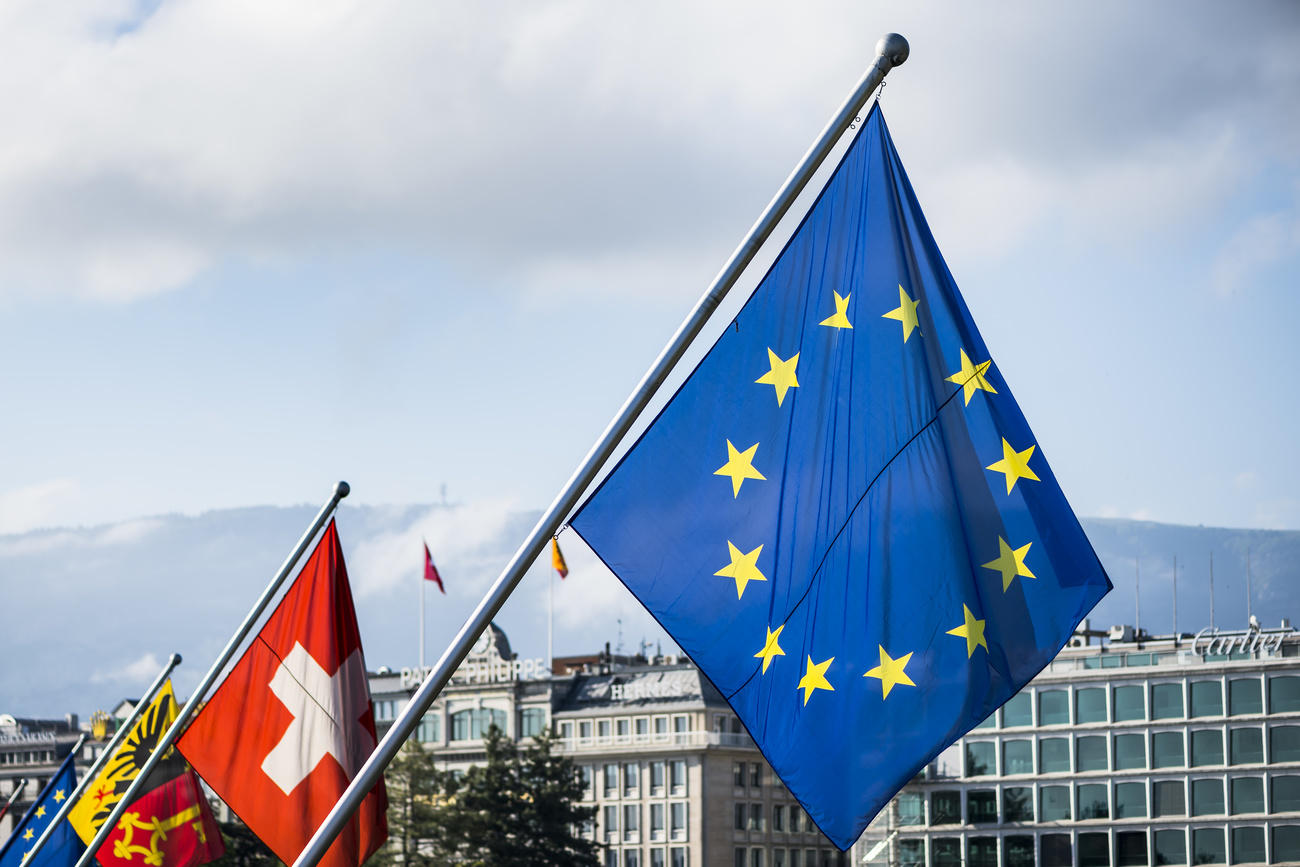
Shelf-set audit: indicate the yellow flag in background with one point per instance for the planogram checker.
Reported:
(105, 790)
(557, 559)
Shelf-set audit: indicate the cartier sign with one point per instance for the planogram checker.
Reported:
(1211, 642)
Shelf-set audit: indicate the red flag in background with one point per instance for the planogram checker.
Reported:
(431, 571)
(289, 728)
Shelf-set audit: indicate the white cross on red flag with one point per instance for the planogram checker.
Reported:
(289, 728)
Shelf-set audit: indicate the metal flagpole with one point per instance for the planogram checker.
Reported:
(108, 751)
(550, 621)
(341, 490)
(891, 51)
(13, 796)
(423, 580)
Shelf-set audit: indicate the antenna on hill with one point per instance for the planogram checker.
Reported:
(443, 489)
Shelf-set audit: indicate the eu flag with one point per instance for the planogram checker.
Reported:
(842, 516)
(64, 847)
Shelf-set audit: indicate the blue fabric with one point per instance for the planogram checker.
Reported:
(64, 847)
(881, 512)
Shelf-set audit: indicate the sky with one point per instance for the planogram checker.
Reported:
(248, 249)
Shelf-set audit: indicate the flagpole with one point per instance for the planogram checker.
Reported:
(18, 790)
(423, 581)
(550, 622)
(891, 51)
(107, 752)
(341, 490)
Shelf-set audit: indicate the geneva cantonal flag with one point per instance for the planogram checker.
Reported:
(842, 516)
(292, 723)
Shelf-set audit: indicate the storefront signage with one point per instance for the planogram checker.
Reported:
(1212, 642)
(482, 671)
(639, 689)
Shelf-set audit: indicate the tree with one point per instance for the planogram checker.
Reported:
(518, 809)
(243, 848)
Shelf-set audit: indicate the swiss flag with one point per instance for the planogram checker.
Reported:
(289, 728)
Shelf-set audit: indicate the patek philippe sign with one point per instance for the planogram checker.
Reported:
(482, 671)
(1211, 642)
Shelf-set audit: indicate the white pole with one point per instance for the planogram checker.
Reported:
(423, 581)
(550, 620)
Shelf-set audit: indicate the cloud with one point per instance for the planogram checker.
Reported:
(1261, 241)
(33, 506)
(124, 533)
(140, 670)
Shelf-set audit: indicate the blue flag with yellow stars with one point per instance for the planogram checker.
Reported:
(64, 847)
(842, 517)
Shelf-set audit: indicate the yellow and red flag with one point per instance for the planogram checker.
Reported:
(557, 559)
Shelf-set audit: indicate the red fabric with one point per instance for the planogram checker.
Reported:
(244, 721)
(431, 571)
(172, 821)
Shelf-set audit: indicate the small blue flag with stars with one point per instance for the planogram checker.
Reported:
(64, 846)
(842, 516)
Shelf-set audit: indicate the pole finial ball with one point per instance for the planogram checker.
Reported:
(342, 489)
(894, 48)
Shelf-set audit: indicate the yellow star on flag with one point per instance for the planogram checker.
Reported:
(40, 811)
(771, 648)
(840, 318)
(972, 630)
(1014, 464)
(814, 678)
(781, 376)
(739, 466)
(1010, 563)
(29, 834)
(905, 312)
(890, 671)
(58, 795)
(971, 377)
(743, 567)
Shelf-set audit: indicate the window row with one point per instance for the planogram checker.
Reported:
(786, 819)
(1083, 801)
(624, 779)
(623, 730)
(1137, 702)
(29, 757)
(752, 857)
(675, 856)
(1246, 845)
(747, 774)
(666, 822)
(471, 723)
(1194, 748)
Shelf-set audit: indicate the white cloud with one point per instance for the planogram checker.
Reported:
(124, 533)
(33, 506)
(140, 670)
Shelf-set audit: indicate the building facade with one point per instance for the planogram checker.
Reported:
(1133, 751)
(32, 750)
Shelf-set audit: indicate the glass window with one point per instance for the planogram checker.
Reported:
(585, 775)
(1053, 803)
(778, 817)
(1246, 746)
(755, 775)
(980, 758)
(1053, 707)
(1054, 850)
(1090, 705)
(740, 816)
(990, 722)
(1018, 757)
(738, 774)
(657, 858)
(1248, 845)
(1090, 753)
(1167, 798)
(911, 809)
(677, 776)
(611, 858)
(1247, 794)
(1244, 697)
(631, 780)
(911, 853)
(945, 852)
(1094, 849)
(611, 822)
(677, 820)
(1018, 805)
(632, 822)
(602, 729)
(1207, 747)
(430, 728)
(642, 726)
(1284, 744)
(741, 858)
(1130, 752)
(1053, 755)
(631, 858)
(981, 806)
(1207, 798)
(1283, 694)
(1167, 750)
(1286, 843)
(1018, 711)
(1128, 703)
(945, 809)
(1130, 800)
(757, 820)
(1286, 794)
(531, 722)
(677, 857)
(1207, 698)
(1167, 701)
(982, 852)
(1131, 848)
(1207, 846)
(656, 822)
(1171, 847)
(656, 778)
(611, 781)
(1018, 851)
(1092, 801)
